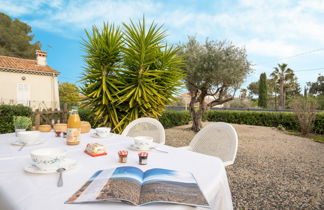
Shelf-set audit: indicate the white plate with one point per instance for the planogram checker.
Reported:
(68, 164)
(94, 135)
(134, 147)
(19, 143)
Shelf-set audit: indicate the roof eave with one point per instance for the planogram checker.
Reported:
(29, 71)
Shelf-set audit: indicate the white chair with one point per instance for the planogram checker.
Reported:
(216, 139)
(146, 127)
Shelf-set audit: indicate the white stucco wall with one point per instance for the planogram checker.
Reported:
(43, 89)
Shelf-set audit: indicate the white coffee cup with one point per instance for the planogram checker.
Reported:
(143, 142)
(48, 158)
(103, 131)
(28, 137)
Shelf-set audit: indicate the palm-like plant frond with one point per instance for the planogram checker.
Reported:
(103, 58)
(283, 76)
(130, 74)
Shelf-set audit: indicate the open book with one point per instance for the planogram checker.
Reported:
(132, 185)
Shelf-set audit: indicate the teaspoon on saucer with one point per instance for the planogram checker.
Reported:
(22, 146)
(60, 180)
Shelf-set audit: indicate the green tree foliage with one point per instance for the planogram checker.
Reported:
(214, 69)
(243, 93)
(263, 91)
(129, 73)
(286, 80)
(317, 88)
(253, 88)
(16, 37)
(69, 93)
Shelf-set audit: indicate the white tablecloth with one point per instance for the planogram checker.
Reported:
(21, 190)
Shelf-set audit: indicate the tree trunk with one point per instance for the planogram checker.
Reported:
(196, 120)
(196, 115)
(275, 101)
(281, 101)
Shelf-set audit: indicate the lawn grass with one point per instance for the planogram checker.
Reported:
(312, 136)
(319, 138)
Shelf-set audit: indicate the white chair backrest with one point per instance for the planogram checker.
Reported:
(146, 127)
(216, 139)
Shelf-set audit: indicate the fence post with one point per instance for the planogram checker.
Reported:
(65, 111)
(37, 119)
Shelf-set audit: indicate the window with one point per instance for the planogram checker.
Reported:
(23, 93)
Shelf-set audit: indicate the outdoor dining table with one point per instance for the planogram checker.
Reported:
(22, 190)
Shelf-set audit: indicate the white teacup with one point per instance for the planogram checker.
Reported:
(28, 137)
(103, 131)
(143, 142)
(48, 158)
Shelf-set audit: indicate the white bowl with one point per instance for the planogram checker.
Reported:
(103, 131)
(28, 137)
(143, 142)
(48, 158)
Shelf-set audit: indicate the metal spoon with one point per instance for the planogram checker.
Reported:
(60, 180)
(22, 146)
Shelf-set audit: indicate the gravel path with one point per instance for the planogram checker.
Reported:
(272, 170)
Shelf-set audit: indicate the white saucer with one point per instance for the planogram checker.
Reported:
(94, 135)
(133, 147)
(68, 164)
(19, 143)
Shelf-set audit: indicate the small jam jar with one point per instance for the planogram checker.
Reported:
(58, 133)
(142, 158)
(123, 156)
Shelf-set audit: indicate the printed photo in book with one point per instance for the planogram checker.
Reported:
(132, 185)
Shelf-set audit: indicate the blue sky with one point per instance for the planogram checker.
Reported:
(159, 174)
(271, 31)
(128, 172)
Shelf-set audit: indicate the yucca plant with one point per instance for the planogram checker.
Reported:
(130, 73)
(100, 80)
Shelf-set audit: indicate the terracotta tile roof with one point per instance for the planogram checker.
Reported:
(24, 64)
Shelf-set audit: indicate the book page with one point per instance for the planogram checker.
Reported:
(90, 190)
(124, 184)
(120, 184)
(163, 185)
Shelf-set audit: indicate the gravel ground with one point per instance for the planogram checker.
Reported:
(272, 170)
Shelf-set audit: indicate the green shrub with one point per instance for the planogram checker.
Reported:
(319, 123)
(22, 122)
(270, 119)
(174, 118)
(86, 115)
(7, 112)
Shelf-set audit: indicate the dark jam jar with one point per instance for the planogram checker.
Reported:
(142, 158)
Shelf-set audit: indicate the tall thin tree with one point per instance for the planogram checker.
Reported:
(263, 91)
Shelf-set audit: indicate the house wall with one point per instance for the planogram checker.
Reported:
(43, 89)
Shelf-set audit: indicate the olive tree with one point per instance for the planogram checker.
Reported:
(215, 69)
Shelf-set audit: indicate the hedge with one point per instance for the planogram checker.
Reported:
(168, 119)
(174, 118)
(270, 119)
(6, 116)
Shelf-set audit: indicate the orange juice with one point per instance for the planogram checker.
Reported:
(73, 128)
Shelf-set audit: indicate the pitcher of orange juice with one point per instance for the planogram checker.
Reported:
(73, 128)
